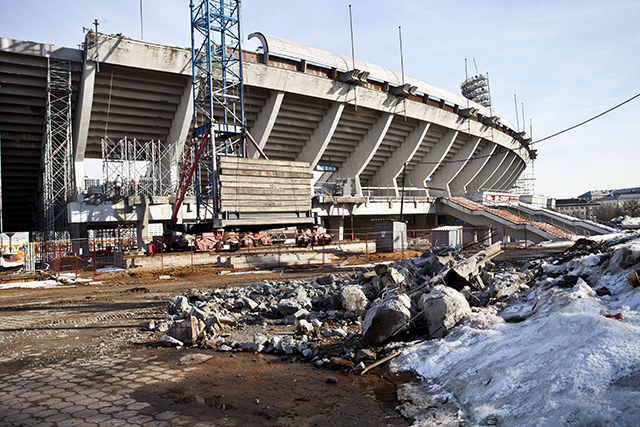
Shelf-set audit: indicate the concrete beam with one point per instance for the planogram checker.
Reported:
(488, 169)
(517, 176)
(388, 173)
(364, 152)
(314, 149)
(264, 124)
(184, 115)
(82, 118)
(132, 53)
(448, 171)
(492, 183)
(303, 84)
(421, 173)
(511, 176)
(459, 184)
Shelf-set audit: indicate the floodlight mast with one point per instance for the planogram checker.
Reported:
(218, 94)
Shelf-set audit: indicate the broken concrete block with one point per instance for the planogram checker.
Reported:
(442, 309)
(178, 305)
(304, 327)
(249, 303)
(329, 279)
(295, 302)
(185, 330)
(170, 341)
(353, 299)
(302, 313)
(506, 283)
(366, 277)
(385, 318)
(199, 313)
(340, 332)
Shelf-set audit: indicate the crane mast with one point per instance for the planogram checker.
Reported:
(218, 109)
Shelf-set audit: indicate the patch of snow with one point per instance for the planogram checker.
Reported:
(566, 363)
(30, 285)
(110, 268)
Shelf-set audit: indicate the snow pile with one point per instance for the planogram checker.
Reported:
(626, 221)
(550, 357)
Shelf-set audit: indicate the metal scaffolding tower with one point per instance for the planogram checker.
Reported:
(137, 168)
(57, 185)
(218, 116)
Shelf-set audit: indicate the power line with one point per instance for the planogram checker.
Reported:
(586, 121)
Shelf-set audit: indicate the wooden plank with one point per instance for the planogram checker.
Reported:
(265, 173)
(239, 160)
(266, 185)
(245, 210)
(239, 166)
(250, 180)
(231, 192)
(257, 199)
(264, 205)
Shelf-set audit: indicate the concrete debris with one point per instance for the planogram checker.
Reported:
(442, 309)
(353, 298)
(329, 320)
(178, 305)
(386, 318)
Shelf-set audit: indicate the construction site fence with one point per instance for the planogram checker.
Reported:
(89, 258)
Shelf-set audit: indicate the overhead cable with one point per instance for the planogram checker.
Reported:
(586, 121)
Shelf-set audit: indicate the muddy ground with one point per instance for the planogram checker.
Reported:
(46, 327)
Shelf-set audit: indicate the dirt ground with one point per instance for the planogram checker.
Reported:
(49, 327)
(60, 326)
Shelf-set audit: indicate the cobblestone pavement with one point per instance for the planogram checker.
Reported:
(85, 393)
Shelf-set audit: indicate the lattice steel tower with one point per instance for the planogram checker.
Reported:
(218, 114)
(57, 186)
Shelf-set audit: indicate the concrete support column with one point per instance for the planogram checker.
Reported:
(264, 124)
(496, 178)
(314, 149)
(182, 119)
(516, 175)
(448, 171)
(437, 154)
(460, 182)
(388, 173)
(83, 118)
(488, 170)
(364, 152)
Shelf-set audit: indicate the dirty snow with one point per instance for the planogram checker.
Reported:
(565, 364)
(30, 285)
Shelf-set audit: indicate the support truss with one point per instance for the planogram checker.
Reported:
(218, 93)
(137, 168)
(57, 186)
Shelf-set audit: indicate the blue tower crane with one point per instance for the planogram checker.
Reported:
(218, 110)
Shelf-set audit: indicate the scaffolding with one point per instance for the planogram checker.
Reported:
(57, 176)
(131, 167)
(525, 184)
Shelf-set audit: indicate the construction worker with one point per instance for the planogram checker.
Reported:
(118, 185)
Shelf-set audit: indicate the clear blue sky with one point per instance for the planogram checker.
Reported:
(565, 60)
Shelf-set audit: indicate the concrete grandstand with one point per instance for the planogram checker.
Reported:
(383, 143)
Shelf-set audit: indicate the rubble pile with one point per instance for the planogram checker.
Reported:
(426, 295)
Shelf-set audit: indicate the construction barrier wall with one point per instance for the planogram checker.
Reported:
(96, 257)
